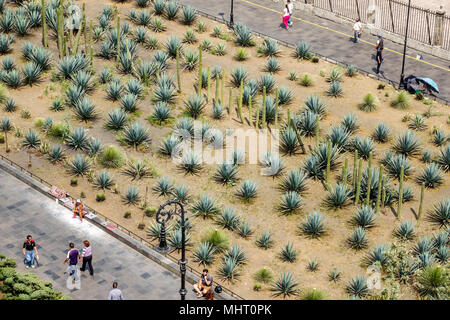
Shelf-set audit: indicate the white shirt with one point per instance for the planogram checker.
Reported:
(357, 26)
(291, 8)
(286, 13)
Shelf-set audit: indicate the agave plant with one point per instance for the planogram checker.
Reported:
(265, 240)
(170, 146)
(229, 219)
(377, 255)
(72, 64)
(181, 193)
(138, 169)
(273, 163)
(247, 190)
(364, 217)
(302, 51)
(405, 231)
(312, 166)
(358, 239)
(314, 225)
(339, 136)
(335, 89)
(417, 123)
(191, 162)
(285, 285)
(161, 113)
(244, 37)
(104, 180)
(73, 95)
(407, 144)
(244, 230)
(218, 110)
(306, 123)
(432, 176)
(357, 287)
(77, 139)
(12, 78)
(241, 54)
(338, 197)
(56, 154)
(31, 140)
(440, 214)
(189, 15)
(288, 253)
(85, 110)
(105, 76)
(351, 71)
(205, 207)
(290, 203)
(164, 93)
(135, 134)
(226, 173)
(335, 76)
(350, 122)
(289, 142)
(272, 65)
(284, 96)
(117, 119)
(7, 21)
(238, 75)
(94, 147)
(79, 165)
(172, 45)
(334, 275)
(195, 105)
(269, 48)
(295, 180)
(22, 25)
(185, 128)
(41, 57)
(131, 196)
(315, 105)
(10, 105)
(128, 102)
(229, 269)
(172, 9)
(8, 64)
(440, 138)
(267, 81)
(444, 158)
(381, 133)
(364, 146)
(163, 187)
(204, 253)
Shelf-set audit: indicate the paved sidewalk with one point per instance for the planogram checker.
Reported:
(329, 39)
(24, 210)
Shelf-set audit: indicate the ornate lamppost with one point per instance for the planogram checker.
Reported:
(231, 14)
(402, 76)
(165, 212)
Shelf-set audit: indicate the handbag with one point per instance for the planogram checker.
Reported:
(218, 289)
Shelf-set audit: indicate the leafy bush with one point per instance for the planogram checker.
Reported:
(111, 157)
(401, 101)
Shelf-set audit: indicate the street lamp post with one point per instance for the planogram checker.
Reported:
(231, 14)
(402, 77)
(165, 212)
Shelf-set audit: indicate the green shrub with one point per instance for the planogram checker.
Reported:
(100, 197)
(111, 157)
(127, 214)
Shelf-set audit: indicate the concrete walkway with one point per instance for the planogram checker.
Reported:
(24, 210)
(330, 39)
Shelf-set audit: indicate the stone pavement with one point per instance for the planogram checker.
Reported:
(24, 210)
(329, 39)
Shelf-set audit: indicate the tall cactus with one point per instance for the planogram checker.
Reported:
(380, 180)
(263, 120)
(369, 180)
(200, 69)
(358, 182)
(216, 97)
(84, 29)
(208, 84)
(240, 99)
(91, 47)
(288, 119)
(355, 169)
(383, 191)
(222, 88)
(276, 108)
(257, 116)
(230, 100)
(250, 114)
(422, 195)
(328, 169)
(178, 70)
(60, 30)
(44, 24)
(400, 193)
(71, 42)
(344, 172)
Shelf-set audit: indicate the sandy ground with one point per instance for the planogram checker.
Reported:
(330, 250)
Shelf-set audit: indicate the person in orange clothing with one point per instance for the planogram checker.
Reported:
(78, 208)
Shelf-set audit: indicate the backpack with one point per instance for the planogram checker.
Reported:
(380, 45)
(218, 289)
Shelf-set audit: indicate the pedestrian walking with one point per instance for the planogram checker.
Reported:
(115, 293)
(379, 47)
(86, 254)
(73, 256)
(78, 209)
(30, 251)
(286, 16)
(291, 12)
(357, 30)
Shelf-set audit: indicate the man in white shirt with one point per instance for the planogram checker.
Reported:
(291, 11)
(115, 293)
(357, 29)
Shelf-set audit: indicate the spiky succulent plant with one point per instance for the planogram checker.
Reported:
(314, 225)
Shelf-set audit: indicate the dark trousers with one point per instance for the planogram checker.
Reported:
(88, 261)
(379, 58)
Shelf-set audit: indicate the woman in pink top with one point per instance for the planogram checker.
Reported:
(86, 254)
(286, 16)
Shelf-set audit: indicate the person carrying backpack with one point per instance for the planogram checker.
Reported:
(29, 250)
